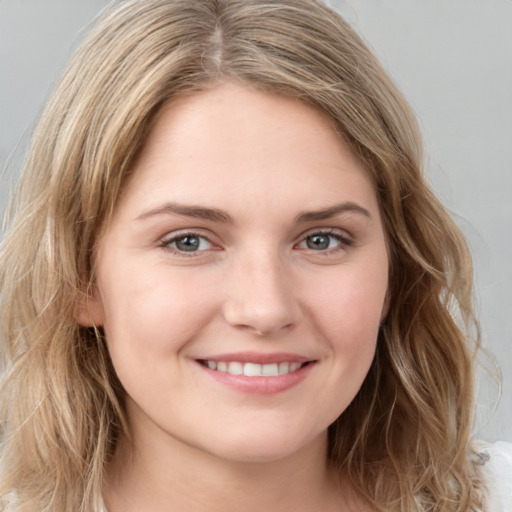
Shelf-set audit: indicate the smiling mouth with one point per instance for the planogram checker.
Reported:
(253, 369)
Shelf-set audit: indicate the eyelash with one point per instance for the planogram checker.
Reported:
(344, 240)
(166, 244)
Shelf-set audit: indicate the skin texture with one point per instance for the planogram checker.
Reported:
(258, 282)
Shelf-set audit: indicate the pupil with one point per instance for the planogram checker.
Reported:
(188, 243)
(318, 242)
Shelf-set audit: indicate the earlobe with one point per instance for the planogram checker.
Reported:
(88, 309)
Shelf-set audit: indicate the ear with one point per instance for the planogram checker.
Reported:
(88, 309)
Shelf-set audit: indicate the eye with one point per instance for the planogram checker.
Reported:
(188, 242)
(324, 241)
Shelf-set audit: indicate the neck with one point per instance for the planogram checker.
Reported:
(146, 474)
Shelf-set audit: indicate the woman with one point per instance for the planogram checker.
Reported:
(226, 283)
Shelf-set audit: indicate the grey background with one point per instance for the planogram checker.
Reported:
(453, 61)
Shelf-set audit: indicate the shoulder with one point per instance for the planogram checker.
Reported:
(495, 460)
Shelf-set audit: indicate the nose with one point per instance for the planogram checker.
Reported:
(260, 297)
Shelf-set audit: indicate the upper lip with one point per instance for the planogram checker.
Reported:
(258, 358)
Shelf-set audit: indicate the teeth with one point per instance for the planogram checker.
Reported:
(270, 370)
(236, 368)
(294, 367)
(254, 369)
(284, 368)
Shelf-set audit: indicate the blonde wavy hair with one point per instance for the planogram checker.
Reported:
(405, 439)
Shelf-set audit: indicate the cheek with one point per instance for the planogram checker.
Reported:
(353, 302)
(347, 314)
(157, 311)
(348, 320)
(149, 320)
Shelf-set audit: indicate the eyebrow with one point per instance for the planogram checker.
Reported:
(198, 212)
(332, 211)
(217, 215)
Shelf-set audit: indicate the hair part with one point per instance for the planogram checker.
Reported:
(404, 440)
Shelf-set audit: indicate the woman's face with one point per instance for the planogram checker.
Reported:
(243, 278)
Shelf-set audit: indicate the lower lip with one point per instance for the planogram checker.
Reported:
(260, 385)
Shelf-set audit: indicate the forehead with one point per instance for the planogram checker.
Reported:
(234, 143)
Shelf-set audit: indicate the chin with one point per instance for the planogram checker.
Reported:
(267, 448)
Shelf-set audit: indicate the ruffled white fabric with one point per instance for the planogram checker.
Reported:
(496, 459)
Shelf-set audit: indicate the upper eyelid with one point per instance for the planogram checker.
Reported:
(326, 231)
(166, 242)
(174, 235)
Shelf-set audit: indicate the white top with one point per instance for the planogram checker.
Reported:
(496, 461)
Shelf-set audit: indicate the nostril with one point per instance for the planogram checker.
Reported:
(259, 299)
(259, 322)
